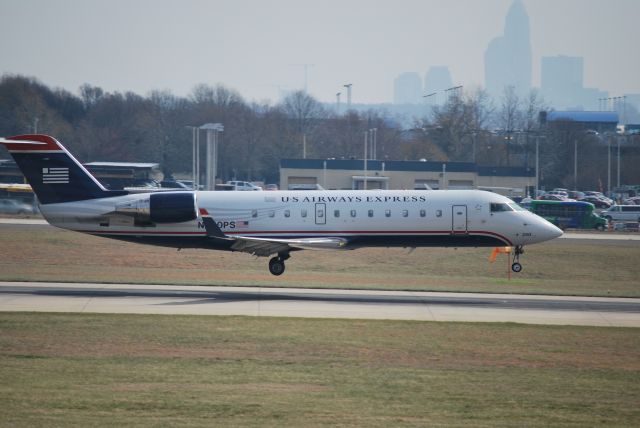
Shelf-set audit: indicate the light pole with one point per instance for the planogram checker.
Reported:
(366, 143)
(348, 86)
(338, 103)
(213, 131)
(373, 141)
(575, 164)
(473, 140)
(427, 104)
(429, 95)
(609, 165)
(618, 169)
(194, 130)
(453, 90)
(537, 166)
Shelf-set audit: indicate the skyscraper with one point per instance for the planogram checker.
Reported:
(562, 84)
(507, 60)
(561, 80)
(407, 89)
(437, 79)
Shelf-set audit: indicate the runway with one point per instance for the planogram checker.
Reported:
(318, 303)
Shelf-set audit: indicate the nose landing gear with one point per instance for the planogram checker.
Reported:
(516, 266)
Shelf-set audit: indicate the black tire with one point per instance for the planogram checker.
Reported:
(516, 267)
(276, 266)
(600, 227)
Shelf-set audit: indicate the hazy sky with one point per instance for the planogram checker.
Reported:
(255, 45)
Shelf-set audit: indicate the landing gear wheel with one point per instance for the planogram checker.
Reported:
(516, 266)
(276, 266)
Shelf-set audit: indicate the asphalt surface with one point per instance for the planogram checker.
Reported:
(315, 303)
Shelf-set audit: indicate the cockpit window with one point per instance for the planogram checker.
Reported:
(516, 207)
(495, 207)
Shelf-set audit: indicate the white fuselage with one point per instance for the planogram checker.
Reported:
(377, 217)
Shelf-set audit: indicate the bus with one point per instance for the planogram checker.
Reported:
(577, 215)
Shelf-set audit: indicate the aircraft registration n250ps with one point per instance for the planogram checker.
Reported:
(272, 223)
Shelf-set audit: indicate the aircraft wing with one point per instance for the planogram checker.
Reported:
(267, 246)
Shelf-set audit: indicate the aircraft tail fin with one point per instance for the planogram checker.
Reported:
(53, 173)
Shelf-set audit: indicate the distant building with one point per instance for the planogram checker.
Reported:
(436, 80)
(561, 79)
(118, 175)
(599, 121)
(507, 60)
(562, 84)
(112, 175)
(408, 175)
(407, 89)
(631, 109)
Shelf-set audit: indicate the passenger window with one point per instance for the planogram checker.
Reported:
(370, 213)
(272, 213)
(405, 213)
(387, 213)
(438, 213)
(336, 213)
(353, 213)
(303, 212)
(287, 213)
(254, 213)
(423, 213)
(319, 213)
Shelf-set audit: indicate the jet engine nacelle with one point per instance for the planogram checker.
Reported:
(161, 208)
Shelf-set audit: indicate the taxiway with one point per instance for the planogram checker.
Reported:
(318, 303)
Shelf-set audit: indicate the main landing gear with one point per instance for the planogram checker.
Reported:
(516, 266)
(276, 264)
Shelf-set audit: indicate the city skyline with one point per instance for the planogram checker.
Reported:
(259, 49)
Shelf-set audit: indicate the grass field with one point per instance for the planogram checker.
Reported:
(137, 370)
(557, 267)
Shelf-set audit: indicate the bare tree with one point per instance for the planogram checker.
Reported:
(305, 112)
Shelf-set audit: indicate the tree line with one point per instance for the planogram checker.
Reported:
(97, 125)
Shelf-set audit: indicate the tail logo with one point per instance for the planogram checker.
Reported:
(55, 175)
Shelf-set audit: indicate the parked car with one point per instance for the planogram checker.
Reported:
(554, 197)
(271, 187)
(632, 201)
(558, 193)
(599, 195)
(189, 183)
(171, 184)
(598, 202)
(574, 194)
(622, 213)
(243, 185)
(13, 206)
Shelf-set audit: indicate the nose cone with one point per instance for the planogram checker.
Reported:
(549, 231)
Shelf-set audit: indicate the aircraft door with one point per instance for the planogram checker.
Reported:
(459, 219)
(321, 213)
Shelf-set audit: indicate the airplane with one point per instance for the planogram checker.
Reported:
(271, 223)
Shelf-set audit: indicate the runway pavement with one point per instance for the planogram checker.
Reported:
(316, 303)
